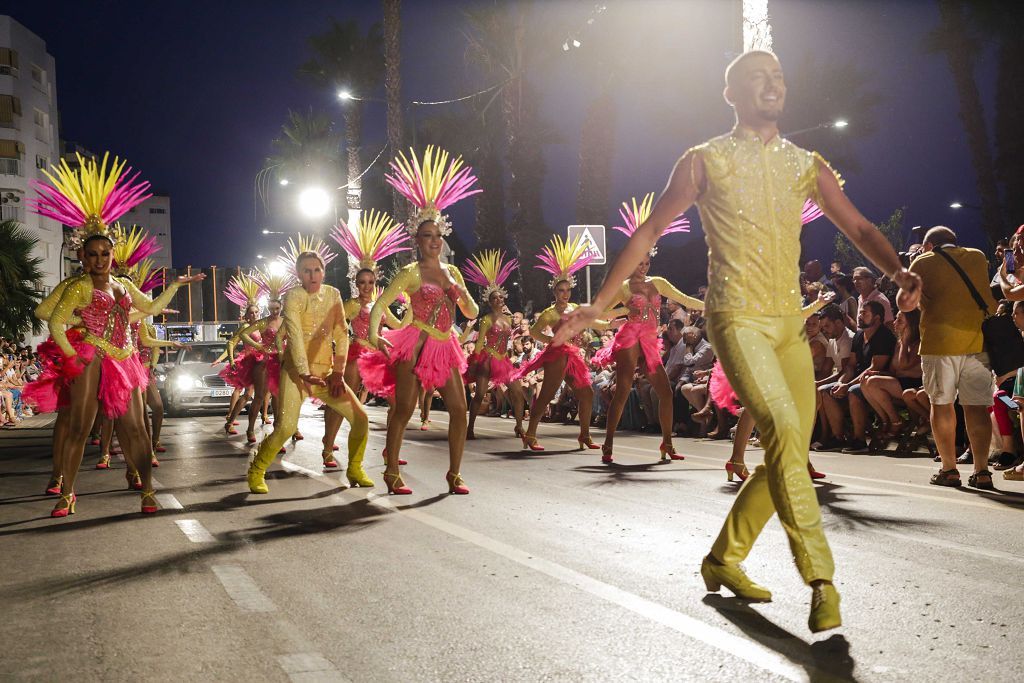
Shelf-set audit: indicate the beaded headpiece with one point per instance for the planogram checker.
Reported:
(635, 215)
(489, 269)
(430, 187)
(274, 282)
(300, 245)
(90, 198)
(562, 258)
(244, 290)
(373, 236)
(131, 245)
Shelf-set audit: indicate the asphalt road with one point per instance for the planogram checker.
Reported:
(556, 567)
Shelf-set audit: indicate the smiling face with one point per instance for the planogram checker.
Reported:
(96, 256)
(756, 89)
(563, 290)
(366, 283)
(496, 301)
(429, 240)
(643, 267)
(274, 307)
(311, 273)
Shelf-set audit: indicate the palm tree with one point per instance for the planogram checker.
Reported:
(958, 38)
(308, 148)
(393, 88)
(19, 273)
(344, 59)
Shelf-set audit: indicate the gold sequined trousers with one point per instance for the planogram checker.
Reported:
(768, 362)
(289, 402)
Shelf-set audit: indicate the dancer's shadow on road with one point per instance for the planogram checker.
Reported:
(616, 474)
(841, 503)
(824, 661)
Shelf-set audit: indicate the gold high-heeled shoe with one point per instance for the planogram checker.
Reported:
(738, 469)
(824, 608)
(69, 506)
(395, 484)
(149, 509)
(456, 485)
(716, 575)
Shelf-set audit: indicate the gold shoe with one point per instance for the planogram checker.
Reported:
(256, 482)
(357, 477)
(824, 608)
(732, 577)
(1013, 475)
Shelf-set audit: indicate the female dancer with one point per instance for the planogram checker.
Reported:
(99, 366)
(639, 336)
(566, 362)
(263, 339)
(426, 355)
(313, 364)
(489, 366)
(243, 289)
(368, 241)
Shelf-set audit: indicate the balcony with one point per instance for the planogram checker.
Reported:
(10, 167)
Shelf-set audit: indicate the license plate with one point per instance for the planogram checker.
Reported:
(223, 391)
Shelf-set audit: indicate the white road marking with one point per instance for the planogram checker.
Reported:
(242, 589)
(168, 502)
(695, 629)
(195, 531)
(306, 667)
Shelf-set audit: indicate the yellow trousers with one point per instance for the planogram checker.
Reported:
(289, 402)
(768, 363)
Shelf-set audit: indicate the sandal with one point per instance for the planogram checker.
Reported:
(947, 478)
(981, 480)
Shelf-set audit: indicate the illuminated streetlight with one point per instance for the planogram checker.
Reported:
(314, 202)
(956, 205)
(284, 181)
(575, 43)
(840, 123)
(259, 256)
(277, 268)
(265, 231)
(565, 46)
(344, 95)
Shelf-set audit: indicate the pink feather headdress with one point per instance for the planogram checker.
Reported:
(90, 198)
(145, 276)
(131, 246)
(301, 245)
(244, 290)
(562, 258)
(635, 215)
(369, 240)
(274, 281)
(430, 186)
(489, 269)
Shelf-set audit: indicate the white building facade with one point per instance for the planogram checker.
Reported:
(29, 139)
(154, 215)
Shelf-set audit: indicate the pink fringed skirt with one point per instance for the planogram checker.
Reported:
(721, 391)
(604, 356)
(241, 375)
(273, 365)
(628, 336)
(52, 390)
(576, 372)
(433, 367)
(499, 370)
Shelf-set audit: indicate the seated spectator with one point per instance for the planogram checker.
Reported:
(866, 283)
(873, 347)
(846, 299)
(903, 378)
(837, 365)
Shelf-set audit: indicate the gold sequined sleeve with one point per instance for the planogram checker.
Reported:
(141, 300)
(148, 338)
(467, 305)
(548, 318)
(77, 295)
(403, 282)
(810, 179)
(294, 307)
(245, 334)
(339, 333)
(668, 290)
(45, 308)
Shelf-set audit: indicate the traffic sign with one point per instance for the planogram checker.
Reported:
(593, 239)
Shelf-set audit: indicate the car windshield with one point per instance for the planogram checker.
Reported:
(202, 354)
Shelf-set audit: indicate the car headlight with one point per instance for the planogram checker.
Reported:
(185, 382)
(160, 377)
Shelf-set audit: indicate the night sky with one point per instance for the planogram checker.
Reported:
(192, 94)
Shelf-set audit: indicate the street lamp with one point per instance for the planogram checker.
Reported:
(314, 202)
(956, 205)
(283, 181)
(838, 124)
(345, 95)
(961, 205)
(277, 268)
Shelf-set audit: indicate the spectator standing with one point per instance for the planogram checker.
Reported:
(953, 359)
(866, 283)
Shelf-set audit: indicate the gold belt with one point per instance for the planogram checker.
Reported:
(107, 347)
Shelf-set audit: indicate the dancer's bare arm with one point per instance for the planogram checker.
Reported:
(680, 194)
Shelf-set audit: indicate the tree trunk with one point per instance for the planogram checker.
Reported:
(597, 149)
(393, 89)
(960, 57)
(353, 133)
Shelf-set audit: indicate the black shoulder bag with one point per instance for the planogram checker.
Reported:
(1003, 341)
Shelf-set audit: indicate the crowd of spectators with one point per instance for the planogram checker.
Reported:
(18, 365)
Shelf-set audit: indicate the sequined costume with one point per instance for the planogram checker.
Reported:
(318, 343)
(433, 310)
(641, 326)
(238, 372)
(49, 393)
(491, 353)
(106, 331)
(359, 318)
(751, 211)
(576, 371)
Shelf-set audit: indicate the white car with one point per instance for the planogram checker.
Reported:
(194, 382)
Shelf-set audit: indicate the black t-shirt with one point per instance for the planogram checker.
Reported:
(882, 343)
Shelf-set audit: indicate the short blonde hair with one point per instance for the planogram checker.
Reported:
(309, 254)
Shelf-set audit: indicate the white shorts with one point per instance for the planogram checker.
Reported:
(946, 377)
